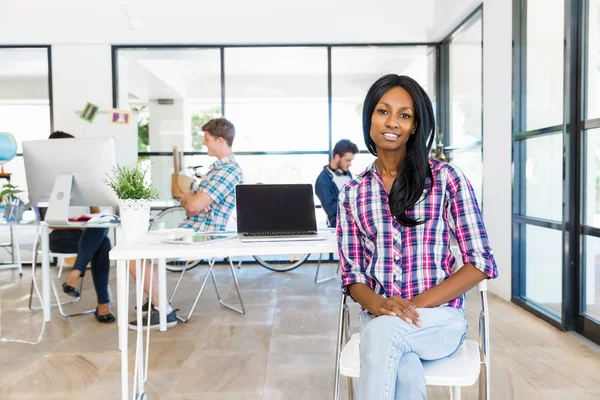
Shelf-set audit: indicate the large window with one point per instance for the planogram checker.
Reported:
(355, 69)
(538, 155)
(24, 101)
(556, 257)
(289, 104)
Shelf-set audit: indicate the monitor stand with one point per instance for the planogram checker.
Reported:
(60, 200)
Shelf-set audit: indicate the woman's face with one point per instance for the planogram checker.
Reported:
(393, 120)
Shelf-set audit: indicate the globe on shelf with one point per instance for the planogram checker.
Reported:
(8, 148)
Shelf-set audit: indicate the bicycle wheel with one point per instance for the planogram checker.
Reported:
(281, 262)
(168, 218)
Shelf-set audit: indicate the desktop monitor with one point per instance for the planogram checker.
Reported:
(69, 172)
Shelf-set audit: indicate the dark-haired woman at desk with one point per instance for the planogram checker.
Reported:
(92, 246)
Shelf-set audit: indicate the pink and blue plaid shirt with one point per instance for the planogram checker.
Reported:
(395, 260)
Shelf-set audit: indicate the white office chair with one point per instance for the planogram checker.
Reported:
(60, 257)
(470, 362)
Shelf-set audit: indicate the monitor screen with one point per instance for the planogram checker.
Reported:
(275, 208)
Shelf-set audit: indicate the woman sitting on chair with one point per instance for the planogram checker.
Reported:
(91, 245)
(395, 221)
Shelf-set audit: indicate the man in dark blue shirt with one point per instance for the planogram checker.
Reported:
(334, 176)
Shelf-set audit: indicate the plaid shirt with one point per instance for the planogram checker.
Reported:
(395, 260)
(219, 183)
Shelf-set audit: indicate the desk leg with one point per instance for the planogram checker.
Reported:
(162, 293)
(122, 302)
(122, 305)
(16, 250)
(46, 272)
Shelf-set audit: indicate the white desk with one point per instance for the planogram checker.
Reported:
(151, 247)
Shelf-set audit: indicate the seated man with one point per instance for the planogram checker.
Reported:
(208, 205)
(333, 177)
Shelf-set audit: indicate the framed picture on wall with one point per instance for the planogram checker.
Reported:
(120, 117)
(89, 112)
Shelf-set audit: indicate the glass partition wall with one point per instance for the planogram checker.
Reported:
(25, 101)
(290, 104)
(556, 153)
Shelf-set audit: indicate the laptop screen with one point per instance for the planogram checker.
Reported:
(275, 208)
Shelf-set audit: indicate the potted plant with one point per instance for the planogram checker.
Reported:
(13, 205)
(135, 193)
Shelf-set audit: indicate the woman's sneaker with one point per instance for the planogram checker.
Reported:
(155, 320)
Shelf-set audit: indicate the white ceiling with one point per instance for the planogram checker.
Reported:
(229, 21)
(179, 73)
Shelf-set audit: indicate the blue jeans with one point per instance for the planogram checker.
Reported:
(391, 351)
(91, 245)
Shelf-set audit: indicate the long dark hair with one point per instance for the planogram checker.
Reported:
(414, 170)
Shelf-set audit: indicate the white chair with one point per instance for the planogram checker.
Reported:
(470, 362)
(60, 258)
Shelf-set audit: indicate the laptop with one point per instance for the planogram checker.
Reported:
(276, 213)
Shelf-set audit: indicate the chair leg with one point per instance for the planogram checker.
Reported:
(237, 288)
(484, 384)
(350, 389)
(51, 305)
(59, 304)
(211, 264)
(338, 349)
(178, 282)
(455, 393)
(317, 280)
(61, 264)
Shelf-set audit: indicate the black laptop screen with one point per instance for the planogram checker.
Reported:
(275, 208)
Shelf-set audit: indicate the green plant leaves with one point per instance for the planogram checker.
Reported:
(130, 183)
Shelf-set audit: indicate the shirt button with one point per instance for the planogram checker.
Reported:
(397, 258)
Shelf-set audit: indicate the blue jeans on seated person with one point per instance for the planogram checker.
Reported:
(91, 245)
(391, 351)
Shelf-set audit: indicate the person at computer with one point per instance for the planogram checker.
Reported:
(207, 206)
(334, 176)
(394, 226)
(92, 246)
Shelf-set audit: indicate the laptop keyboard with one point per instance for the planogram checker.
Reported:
(252, 234)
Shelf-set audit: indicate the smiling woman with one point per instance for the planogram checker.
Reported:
(394, 226)
(398, 126)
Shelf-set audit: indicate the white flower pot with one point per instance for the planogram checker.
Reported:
(135, 217)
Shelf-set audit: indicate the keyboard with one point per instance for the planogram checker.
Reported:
(280, 236)
(275, 234)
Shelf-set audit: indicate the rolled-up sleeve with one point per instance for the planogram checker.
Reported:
(466, 224)
(350, 246)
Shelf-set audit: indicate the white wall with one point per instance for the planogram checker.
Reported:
(80, 73)
(497, 141)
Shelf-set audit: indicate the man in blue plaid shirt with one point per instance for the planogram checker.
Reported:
(210, 202)
(207, 206)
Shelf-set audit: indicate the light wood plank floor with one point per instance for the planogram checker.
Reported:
(283, 348)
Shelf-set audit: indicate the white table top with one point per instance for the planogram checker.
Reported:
(150, 247)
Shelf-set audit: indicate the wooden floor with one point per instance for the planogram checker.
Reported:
(283, 348)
